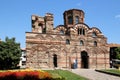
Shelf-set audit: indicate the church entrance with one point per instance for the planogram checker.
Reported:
(84, 59)
(55, 60)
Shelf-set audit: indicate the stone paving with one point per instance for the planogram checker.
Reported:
(93, 75)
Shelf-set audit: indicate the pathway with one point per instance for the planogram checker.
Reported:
(93, 75)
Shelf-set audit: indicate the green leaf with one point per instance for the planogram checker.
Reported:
(10, 53)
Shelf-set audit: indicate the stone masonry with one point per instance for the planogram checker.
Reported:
(72, 45)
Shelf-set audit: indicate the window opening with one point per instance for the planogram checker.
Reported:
(81, 43)
(94, 34)
(95, 43)
(61, 32)
(67, 41)
(76, 19)
(81, 31)
(70, 20)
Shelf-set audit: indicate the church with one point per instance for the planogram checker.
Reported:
(72, 45)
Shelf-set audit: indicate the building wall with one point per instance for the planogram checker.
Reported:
(64, 45)
(22, 62)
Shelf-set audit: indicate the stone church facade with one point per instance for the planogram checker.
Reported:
(72, 45)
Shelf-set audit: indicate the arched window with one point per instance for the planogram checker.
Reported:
(81, 31)
(70, 20)
(81, 43)
(78, 31)
(77, 19)
(67, 41)
(61, 32)
(40, 29)
(94, 34)
(40, 25)
(95, 43)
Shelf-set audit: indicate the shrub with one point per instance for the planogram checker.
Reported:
(24, 75)
(28, 74)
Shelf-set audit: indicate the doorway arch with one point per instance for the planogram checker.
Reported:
(55, 60)
(84, 59)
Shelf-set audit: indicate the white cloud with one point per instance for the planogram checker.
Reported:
(117, 16)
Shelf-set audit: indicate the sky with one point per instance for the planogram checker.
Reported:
(15, 16)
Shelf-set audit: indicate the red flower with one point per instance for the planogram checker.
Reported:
(26, 74)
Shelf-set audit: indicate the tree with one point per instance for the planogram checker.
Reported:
(10, 53)
(117, 50)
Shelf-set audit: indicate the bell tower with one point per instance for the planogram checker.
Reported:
(72, 17)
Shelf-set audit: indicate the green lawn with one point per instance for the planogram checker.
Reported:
(115, 71)
(66, 74)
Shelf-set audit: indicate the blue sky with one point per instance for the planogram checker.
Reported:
(15, 16)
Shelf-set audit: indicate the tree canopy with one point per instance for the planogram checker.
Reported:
(117, 50)
(10, 53)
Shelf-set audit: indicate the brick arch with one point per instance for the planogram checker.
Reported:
(100, 50)
(88, 50)
(94, 29)
(73, 30)
(54, 48)
(41, 37)
(60, 27)
(84, 50)
(84, 59)
(73, 51)
(103, 50)
(96, 40)
(59, 38)
(82, 25)
(65, 49)
(95, 50)
(38, 48)
(49, 37)
(64, 52)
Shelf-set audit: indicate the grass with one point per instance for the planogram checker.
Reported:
(66, 74)
(114, 71)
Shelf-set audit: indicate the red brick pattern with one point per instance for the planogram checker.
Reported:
(41, 46)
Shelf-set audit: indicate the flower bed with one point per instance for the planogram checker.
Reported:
(24, 75)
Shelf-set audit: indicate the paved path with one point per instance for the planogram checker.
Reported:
(93, 75)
